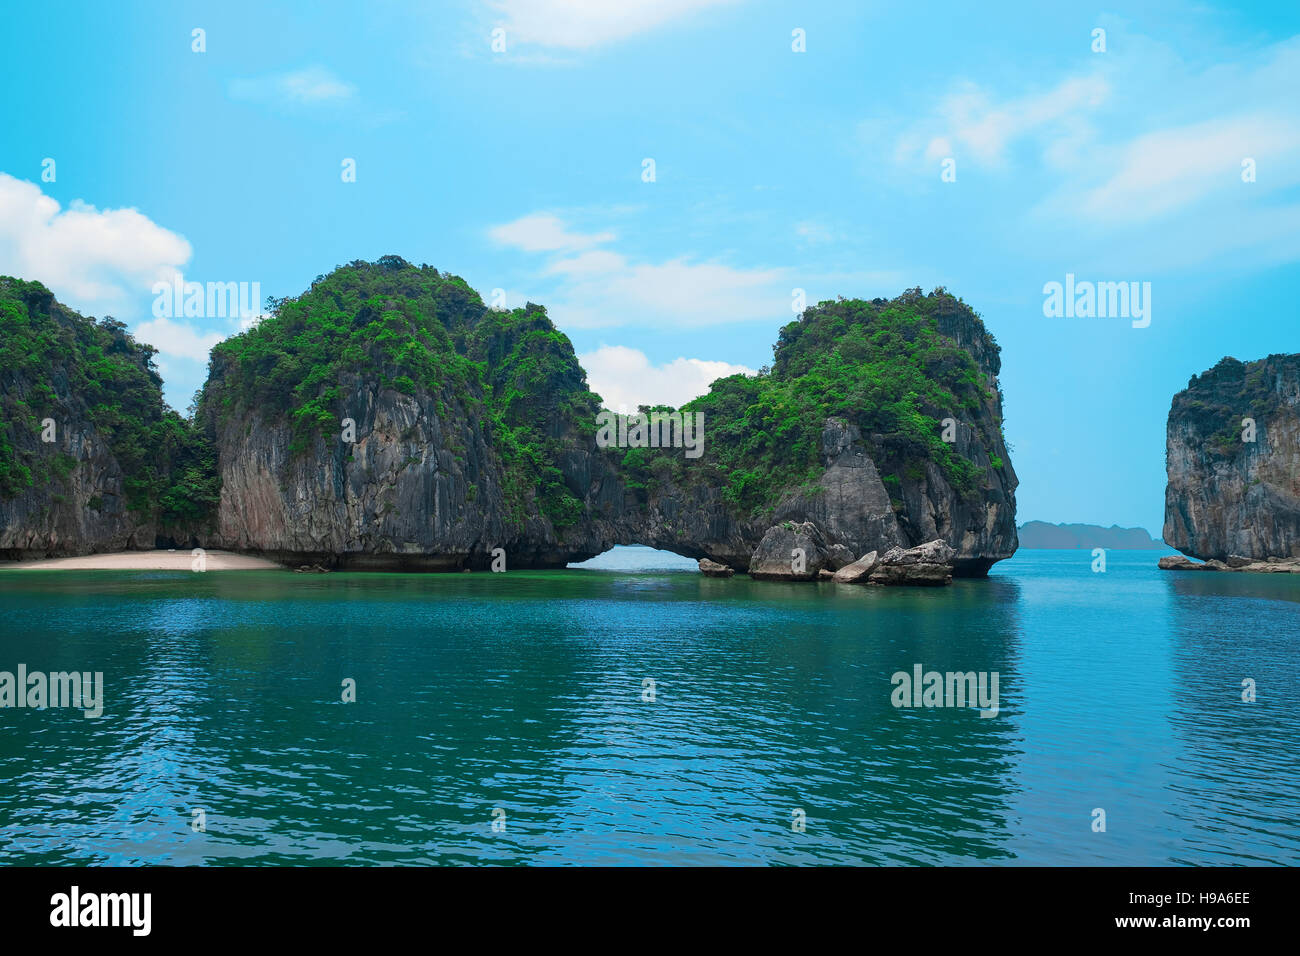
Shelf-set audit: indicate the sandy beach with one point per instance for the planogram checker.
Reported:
(179, 560)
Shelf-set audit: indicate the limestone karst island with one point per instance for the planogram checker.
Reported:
(386, 419)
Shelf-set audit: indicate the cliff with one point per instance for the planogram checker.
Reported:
(90, 457)
(386, 418)
(474, 429)
(1234, 489)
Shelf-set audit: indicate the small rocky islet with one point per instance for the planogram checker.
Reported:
(1232, 456)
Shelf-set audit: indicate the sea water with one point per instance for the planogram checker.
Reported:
(632, 711)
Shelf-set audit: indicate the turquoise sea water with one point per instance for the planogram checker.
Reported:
(521, 694)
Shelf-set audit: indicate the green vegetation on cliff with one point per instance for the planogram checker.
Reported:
(539, 402)
(410, 329)
(388, 321)
(893, 368)
(1215, 402)
(57, 364)
(884, 365)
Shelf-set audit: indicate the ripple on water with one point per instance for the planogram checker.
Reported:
(526, 694)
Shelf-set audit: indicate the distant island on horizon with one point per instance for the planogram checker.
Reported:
(1042, 534)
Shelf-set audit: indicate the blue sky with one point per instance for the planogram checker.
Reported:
(774, 170)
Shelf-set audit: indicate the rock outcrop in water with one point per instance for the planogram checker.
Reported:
(387, 419)
(1270, 566)
(859, 571)
(1233, 463)
(796, 552)
(926, 564)
(712, 569)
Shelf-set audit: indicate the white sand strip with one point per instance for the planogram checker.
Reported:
(178, 560)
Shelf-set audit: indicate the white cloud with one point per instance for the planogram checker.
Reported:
(609, 290)
(1171, 168)
(625, 377)
(1136, 164)
(1183, 170)
(177, 339)
(97, 261)
(312, 86)
(601, 288)
(543, 232)
(970, 125)
(596, 262)
(583, 24)
(704, 293)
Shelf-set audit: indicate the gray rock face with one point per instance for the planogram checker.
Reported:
(850, 502)
(798, 552)
(693, 521)
(81, 508)
(838, 556)
(929, 575)
(422, 490)
(1226, 495)
(937, 551)
(85, 514)
(398, 497)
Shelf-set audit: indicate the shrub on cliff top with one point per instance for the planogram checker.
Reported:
(1215, 402)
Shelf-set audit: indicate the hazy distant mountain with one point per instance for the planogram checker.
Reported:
(1040, 534)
